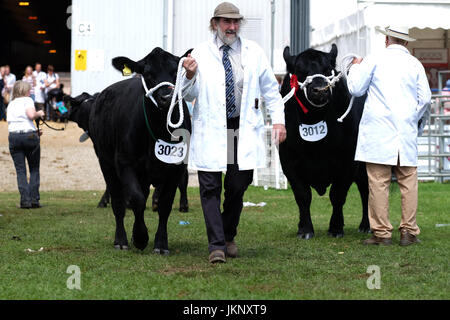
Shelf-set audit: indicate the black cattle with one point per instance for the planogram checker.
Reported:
(319, 150)
(79, 110)
(123, 125)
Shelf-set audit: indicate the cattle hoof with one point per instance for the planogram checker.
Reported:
(336, 234)
(162, 252)
(305, 236)
(102, 205)
(154, 207)
(184, 209)
(364, 230)
(120, 247)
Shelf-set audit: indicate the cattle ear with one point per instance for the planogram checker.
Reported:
(68, 99)
(126, 66)
(187, 52)
(333, 54)
(290, 60)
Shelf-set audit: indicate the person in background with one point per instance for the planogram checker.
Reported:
(446, 92)
(51, 83)
(39, 89)
(228, 125)
(31, 79)
(24, 143)
(10, 79)
(395, 112)
(2, 86)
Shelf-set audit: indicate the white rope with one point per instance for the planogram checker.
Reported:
(346, 63)
(177, 94)
(287, 97)
(331, 80)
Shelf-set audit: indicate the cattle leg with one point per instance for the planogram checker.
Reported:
(104, 200)
(118, 206)
(338, 195)
(363, 187)
(184, 207)
(165, 202)
(137, 195)
(155, 198)
(303, 198)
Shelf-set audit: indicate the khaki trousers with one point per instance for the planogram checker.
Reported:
(379, 181)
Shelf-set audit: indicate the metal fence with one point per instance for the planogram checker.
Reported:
(434, 144)
(272, 175)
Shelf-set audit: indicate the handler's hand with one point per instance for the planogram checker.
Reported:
(191, 66)
(357, 60)
(278, 133)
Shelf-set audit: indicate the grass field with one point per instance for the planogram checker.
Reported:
(273, 263)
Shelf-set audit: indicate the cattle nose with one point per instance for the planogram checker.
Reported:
(164, 95)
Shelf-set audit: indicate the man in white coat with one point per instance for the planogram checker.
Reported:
(231, 74)
(395, 111)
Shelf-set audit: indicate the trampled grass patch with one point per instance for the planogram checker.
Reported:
(273, 263)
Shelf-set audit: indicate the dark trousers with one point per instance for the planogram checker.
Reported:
(222, 227)
(2, 109)
(26, 146)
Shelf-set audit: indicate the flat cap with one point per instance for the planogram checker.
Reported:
(227, 10)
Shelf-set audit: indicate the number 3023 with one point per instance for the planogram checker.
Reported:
(172, 151)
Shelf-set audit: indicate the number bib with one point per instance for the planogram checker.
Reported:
(170, 153)
(313, 132)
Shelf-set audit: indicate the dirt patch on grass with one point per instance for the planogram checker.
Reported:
(187, 270)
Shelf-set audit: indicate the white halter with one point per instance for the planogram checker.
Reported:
(331, 80)
(178, 94)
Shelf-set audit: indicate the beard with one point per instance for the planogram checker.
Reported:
(227, 39)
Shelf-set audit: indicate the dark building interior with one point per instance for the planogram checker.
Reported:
(23, 41)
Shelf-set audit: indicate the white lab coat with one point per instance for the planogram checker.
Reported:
(398, 97)
(208, 144)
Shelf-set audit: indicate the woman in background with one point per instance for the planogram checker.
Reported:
(24, 143)
(29, 77)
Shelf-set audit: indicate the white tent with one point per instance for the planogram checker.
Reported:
(428, 21)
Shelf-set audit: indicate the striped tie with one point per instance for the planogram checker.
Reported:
(229, 83)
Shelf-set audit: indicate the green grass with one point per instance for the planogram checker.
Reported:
(273, 263)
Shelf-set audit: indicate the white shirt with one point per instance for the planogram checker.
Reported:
(398, 97)
(51, 79)
(17, 117)
(10, 80)
(39, 93)
(208, 149)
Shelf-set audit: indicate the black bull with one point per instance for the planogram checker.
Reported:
(79, 110)
(330, 159)
(125, 145)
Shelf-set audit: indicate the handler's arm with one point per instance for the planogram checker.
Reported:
(191, 67)
(32, 114)
(359, 77)
(423, 99)
(274, 102)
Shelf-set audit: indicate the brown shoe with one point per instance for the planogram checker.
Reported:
(217, 256)
(376, 241)
(407, 238)
(232, 249)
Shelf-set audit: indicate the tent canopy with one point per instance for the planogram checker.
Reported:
(411, 14)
